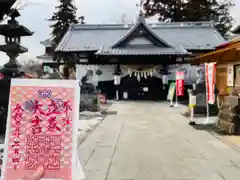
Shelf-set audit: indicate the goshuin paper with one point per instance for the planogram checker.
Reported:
(41, 129)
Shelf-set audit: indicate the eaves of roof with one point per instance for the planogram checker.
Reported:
(145, 51)
(189, 35)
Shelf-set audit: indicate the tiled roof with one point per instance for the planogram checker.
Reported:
(45, 57)
(47, 42)
(189, 35)
(142, 51)
(141, 28)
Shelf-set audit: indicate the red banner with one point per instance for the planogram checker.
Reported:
(180, 83)
(1, 76)
(102, 99)
(210, 70)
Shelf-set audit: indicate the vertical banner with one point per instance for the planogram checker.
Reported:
(171, 91)
(41, 129)
(210, 71)
(180, 83)
(230, 76)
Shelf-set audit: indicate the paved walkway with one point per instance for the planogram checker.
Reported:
(151, 141)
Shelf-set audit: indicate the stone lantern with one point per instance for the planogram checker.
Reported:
(13, 33)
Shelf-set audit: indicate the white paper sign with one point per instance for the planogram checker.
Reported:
(145, 89)
(125, 95)
(41, 129)
(179, 75)
(230, 76)
(117, 80)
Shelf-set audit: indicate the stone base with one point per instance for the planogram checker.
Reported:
(226, 127)
(89, 102)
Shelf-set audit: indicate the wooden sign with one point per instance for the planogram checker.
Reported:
(230, 76)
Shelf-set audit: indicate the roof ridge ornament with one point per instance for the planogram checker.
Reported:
(141, 17)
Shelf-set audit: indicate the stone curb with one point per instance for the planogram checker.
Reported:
(227, 142)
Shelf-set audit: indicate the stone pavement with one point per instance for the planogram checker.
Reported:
(232, 140)
(151, 141)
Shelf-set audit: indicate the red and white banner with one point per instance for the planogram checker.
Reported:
(180, 83)
(210, 70)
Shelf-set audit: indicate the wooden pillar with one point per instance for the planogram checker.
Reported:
(221, 81)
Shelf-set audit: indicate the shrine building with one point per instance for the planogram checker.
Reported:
(139, 53)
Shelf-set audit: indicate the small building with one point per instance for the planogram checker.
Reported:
(142, 53)
(47, 58)
(227, 58)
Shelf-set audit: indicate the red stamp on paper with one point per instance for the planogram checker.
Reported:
(44, 150)
(40, 131)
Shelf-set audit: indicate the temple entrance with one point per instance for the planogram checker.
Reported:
(150, 88)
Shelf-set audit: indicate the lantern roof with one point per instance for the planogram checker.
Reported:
(15, 30)
(13, 47)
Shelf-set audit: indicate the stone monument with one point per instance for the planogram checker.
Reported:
(89, 94)
(199, 90)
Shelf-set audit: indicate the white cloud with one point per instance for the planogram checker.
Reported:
(107, 11)
(235, 12)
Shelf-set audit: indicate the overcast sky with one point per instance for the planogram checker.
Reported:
(34, 16)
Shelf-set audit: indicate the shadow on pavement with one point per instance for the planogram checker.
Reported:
(108, 112)
(202, 127)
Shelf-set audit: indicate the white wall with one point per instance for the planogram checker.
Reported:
(190, 73)
(108, 71)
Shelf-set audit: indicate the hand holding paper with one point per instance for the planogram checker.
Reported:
(41, 129)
